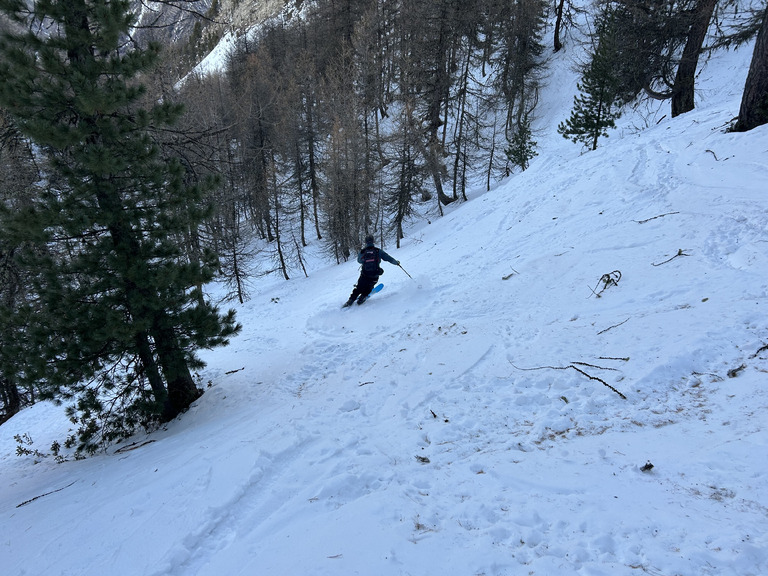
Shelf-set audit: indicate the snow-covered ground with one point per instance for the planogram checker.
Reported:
(493, 415)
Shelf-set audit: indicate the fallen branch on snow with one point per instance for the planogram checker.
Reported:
(609, 279)
(759, 350)
(614, 326)
(579, 370)
(654, 217)
(133, 446)
(46, 494)
(508, 276)
(680, 252)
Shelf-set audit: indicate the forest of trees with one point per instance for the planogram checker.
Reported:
(127, 183)
(652, 48)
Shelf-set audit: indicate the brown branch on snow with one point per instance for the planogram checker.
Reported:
(46, 494)
(603, 382)
(609, 279)
(654, 217)
(594, 366)
(508, 276)
(733, 372)
(759, 350)
(579, 370)
(133, 446)
(614, 326)
(680, 252)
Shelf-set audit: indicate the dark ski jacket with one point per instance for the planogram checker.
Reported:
(384, 256)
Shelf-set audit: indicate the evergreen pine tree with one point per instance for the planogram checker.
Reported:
(18, 173)
(596, 108)
(118, 305)
(522, 147)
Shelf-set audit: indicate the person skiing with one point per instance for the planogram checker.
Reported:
(370, 259)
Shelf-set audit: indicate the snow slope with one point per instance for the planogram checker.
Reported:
(492, 415)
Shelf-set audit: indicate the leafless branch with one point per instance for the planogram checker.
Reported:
(654, 217)
(579, 370)
(46, 494)
(614, 326)
(610, 279)
(680, 252)
(759, 350)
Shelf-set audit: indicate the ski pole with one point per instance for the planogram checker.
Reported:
(406, 272)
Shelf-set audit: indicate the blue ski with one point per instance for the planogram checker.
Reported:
(376, 288)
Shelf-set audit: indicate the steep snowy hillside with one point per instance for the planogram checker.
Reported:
(573, 382)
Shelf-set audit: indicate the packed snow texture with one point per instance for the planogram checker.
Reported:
(573, 382)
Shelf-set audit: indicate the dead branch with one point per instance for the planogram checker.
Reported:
(614, 326)
(579, 370)
(133, 446)
(603, 382)
(508, 276)
(733, 372)
(759, 350)
(654, 217)
(46, 494)
(680, 252)
(610, 279)
(594, 366)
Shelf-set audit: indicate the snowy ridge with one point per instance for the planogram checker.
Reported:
(462, 422)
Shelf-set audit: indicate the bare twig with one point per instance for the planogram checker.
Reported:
(46, 494)
(603, 382)
(579, 370)
(733, 372)
(609, 279)
(680, 252)
(594, 366)
(654, 217)
(133, 446)
(508, 276)
(614, 326)
(759, 350)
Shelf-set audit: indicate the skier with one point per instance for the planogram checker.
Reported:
(370, 257)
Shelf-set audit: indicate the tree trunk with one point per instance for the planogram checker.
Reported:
(683, 90)
(754, 102)
(276, 219)
(558, 25)
(313, 175)
(151, 370)
(11, 397)
(182, 390)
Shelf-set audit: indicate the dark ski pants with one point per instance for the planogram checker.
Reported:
(363, 287)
